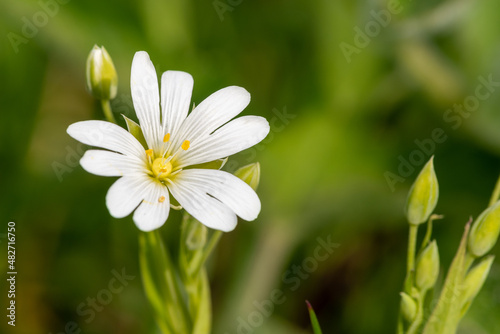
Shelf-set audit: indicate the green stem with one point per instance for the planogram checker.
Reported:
(410, 267)
(199, 261)
(496, 193)
(161, 284)
(412, 242)
(106, 107)
(428, 232)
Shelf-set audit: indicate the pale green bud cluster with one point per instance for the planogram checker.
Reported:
(423, 195)
(102, 80)
(485, 230)
(461, 284)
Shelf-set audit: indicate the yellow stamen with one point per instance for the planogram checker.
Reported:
(149, 153)
(185, 145)
(166, 138)
(161, 199)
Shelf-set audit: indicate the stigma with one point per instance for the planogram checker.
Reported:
(161, 168)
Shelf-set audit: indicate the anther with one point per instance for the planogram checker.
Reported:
(185, 145)
(161, 199)
(166, 138)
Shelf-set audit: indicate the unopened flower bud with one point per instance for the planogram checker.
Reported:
(484, 232)
(102, 80)
(427, 268)
(250, 174)
(408, 307)
(474, 280)
(423, 195)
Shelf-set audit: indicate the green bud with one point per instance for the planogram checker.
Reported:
(484, 232)
(423, 195)
(102, 80)
(427, 268)
(250, 174)
(408, 307)
(474, 280)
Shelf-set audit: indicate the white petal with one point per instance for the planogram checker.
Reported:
(235, 136)
(106, 163)
(146, 97)
(154, 209)
(214, 111)
(208, 210)
(227, 188)
(126, 193)
(107, 135)
(176, 89)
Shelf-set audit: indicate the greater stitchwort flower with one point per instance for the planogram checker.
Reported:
(169, 161)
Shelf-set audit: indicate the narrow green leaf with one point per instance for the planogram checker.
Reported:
(447, 313)
(314, 319)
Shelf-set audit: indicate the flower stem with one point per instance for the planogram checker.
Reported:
(214, 240)
(496, 193)
(162, 285)
(412, 242)
(106, 107)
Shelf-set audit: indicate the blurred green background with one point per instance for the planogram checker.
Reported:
(345, 107)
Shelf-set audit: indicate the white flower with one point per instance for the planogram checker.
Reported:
(175, 141)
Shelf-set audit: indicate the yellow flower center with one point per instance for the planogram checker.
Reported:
(161, 168)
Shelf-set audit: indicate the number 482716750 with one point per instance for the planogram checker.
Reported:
(11, 247)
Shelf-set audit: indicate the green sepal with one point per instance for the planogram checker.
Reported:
(216, 164)
(250, 174)
(136, 131)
